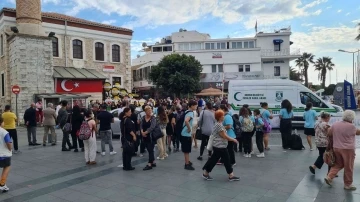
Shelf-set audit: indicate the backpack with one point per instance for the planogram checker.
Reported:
(296, 142)
(85, 131)
(267, 127)
(180, 122)
(247, 125)
(237, 125)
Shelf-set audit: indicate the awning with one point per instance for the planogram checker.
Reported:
(77, 73)
(277, 41)
(62, 96)
(143, 88)
(135, 67)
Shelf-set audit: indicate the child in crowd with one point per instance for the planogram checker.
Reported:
(259, 124)
(5, 155)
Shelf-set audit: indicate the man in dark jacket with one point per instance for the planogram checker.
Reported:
(62, 119)
(30, 122)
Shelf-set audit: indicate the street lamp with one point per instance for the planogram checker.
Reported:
(344, 51)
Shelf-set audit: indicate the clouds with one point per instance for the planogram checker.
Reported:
(157, 13)
(108, 22)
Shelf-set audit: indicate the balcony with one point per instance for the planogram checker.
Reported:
(284, 53)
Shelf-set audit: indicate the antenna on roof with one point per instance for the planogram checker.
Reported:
(144, 44)
(181, 30)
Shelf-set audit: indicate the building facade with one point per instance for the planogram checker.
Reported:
(53, 56)
(264, 56)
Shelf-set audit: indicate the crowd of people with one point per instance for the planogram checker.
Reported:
(177, 125)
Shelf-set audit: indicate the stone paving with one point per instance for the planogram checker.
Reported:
(42, 174)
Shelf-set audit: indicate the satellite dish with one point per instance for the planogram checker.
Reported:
(137, 56)
(181, 29)
(144, 44)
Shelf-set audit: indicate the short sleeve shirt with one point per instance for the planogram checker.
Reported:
(184, 131)
(9, 120)
(309, 117)
(266, 115)
(343, 135)
(229, 121)
(105, 119)
(285, 114)
(218, 141)
(259, 122)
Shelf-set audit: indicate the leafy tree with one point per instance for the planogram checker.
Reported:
(303, 63)
(323, 65)
(295, 75)
(358, 36)
(179, 74)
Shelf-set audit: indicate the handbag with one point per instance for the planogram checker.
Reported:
(128, 146)
(156, 133)
(198, 134)
(329, 156)
(209, 146)
(67, 127)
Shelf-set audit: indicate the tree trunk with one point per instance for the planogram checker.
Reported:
(323, 80)
(306, 77)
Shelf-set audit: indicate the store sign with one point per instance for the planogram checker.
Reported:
(108, 68)
(276, 61)
(218, 77)
(216, 55)
(79, 86)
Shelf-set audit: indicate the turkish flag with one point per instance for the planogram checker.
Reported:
(79, 86)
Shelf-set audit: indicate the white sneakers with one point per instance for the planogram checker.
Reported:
(261, 155)
(247, 155)
(4, 188)
(111, 153)
(158, 158)
(351, 188)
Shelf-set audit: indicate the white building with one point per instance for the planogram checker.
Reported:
(264, 56)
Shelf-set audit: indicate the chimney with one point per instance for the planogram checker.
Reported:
(28, 17)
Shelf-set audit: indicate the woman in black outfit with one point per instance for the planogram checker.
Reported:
(76, 120)
(134, 118)
(285, 123)
(171, 126)
(128, 134)
(147, 125)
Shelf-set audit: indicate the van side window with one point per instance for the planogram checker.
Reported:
(306, 97)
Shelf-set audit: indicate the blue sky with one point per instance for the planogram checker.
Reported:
(319, 26)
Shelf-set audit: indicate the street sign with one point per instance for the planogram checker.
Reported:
(15, 89)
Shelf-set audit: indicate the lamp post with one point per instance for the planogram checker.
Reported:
(353, 52)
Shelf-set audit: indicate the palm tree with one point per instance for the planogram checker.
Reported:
(295, 75)
(358, 37)
(323, 65)
(303, 63)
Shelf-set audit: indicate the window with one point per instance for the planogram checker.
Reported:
(116, 80)
(209, 46)
(99, 51)
(141, 74)
(236, 45)
(167, 48)
(241, 68)
(77, 49)
(277, 71)
(251, 44)
(195, 46)
(115, 53)
(277, 47)
(213, 68)
(184, 46)
(247, 68)
(306, 97)
(134, 75)
(220, 46)
(220, 68)
(1, 45)
(2, 84)
(157, 49)
(246, 44)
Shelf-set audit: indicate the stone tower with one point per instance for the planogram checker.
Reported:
(30, 55)
(28, 17)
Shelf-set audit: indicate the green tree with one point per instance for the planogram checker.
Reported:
(303, 63)
(323, 65)
(358, 36)
(179, 74)
(295, 75)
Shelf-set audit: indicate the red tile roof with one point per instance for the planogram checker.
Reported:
(59, 16)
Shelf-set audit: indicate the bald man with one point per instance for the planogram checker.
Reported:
(30, 122)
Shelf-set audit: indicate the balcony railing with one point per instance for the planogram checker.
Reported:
(283, 52)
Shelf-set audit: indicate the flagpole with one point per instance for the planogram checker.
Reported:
(223, 83)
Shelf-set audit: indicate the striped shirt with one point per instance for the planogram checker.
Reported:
(218, 141)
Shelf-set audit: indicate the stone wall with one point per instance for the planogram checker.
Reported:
(123, 68)
(30, 67)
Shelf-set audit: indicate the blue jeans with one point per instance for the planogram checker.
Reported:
(106, 137)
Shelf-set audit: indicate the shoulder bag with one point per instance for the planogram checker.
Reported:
(156, 133)
(329, 156)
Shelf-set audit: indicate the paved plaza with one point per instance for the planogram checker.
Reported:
(42, 174)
